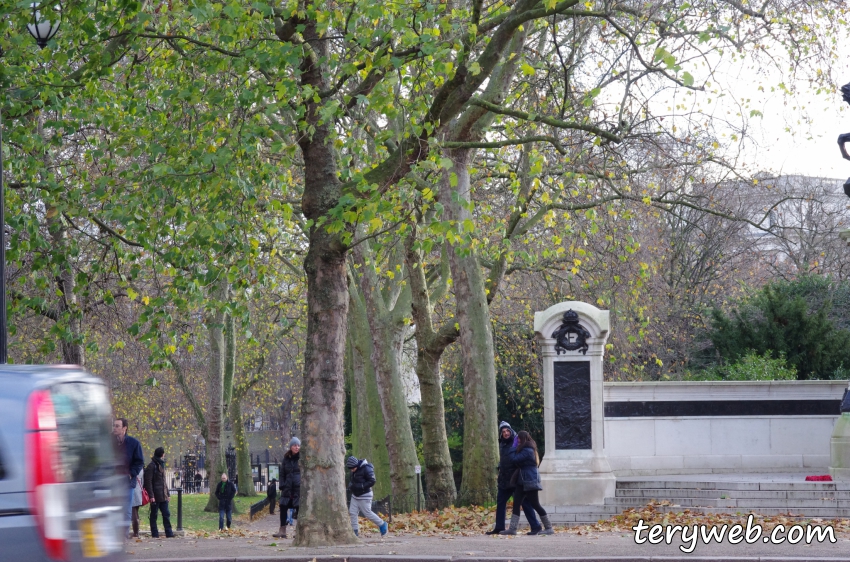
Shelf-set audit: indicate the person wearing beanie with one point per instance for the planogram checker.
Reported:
(360, 486)
(290, 485)
(507, 441)
(157, 491)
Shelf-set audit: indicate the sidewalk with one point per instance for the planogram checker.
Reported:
(255, 543)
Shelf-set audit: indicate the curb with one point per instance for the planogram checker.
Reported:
(402, 558)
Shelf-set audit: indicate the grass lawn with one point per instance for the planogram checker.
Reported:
(195, 518)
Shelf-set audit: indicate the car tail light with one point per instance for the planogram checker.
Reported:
(47, 496)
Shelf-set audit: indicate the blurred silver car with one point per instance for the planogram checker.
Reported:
(61, 497)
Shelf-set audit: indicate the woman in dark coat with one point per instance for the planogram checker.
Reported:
(290, 484)
(525, 460)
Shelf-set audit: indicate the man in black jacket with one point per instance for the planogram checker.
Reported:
(507, 438)
(225, 492)
(271, 494)
(158, 493)
(362, 480)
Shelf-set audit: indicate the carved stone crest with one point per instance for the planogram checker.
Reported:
(570, 335)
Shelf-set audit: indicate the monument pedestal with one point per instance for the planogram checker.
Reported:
(575, 470)
(574, 481)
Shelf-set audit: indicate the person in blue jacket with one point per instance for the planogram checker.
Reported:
(508, 442)
(524, 459)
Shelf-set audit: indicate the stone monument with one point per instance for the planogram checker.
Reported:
(575, 470)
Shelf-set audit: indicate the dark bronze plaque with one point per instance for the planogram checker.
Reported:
(572, 405)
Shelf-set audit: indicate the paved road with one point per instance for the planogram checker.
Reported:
(255, 543)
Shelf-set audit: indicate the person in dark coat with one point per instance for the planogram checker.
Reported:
(524, 459)
(225, 492)
(507, 440)
(290, 485)
(157, 491)
(271, 494)
(134, 463)
(360, 486)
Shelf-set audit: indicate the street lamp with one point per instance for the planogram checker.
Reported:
(42, 29)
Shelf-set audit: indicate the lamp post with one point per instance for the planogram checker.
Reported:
(42, 29)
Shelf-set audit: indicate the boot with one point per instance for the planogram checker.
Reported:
(494, 532)
(513, 527)
(281, 534)
(547, 526)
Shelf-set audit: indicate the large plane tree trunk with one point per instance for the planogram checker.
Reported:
(323, 515)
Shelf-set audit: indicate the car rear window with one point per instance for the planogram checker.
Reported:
(84, 421)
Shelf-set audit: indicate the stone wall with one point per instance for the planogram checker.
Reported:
(703, 427)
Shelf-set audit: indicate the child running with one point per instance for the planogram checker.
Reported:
(362, 480)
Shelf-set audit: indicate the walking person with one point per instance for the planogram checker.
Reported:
(271, 494)
(507, 441)
(158, 493)
(134, 463)
(136, 504)
(225, 492)
(525, 460)
(362, 480)
(290, 485)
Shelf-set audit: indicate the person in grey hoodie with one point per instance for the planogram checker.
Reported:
(362, 480)
(507, 441)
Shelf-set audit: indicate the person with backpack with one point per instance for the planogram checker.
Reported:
(508, 441)
(360, 486)
(158, 493)
(524, 460)
(290, 485)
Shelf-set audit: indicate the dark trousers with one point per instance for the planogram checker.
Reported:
(532, 498)
(271, 505)
(162, 507)
(502, 506)
(222, 513)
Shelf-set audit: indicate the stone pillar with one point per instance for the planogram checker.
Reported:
(575, 470)
(839, 444)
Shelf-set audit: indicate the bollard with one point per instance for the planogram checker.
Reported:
(179, 509)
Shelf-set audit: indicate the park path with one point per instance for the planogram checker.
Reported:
(253, 542)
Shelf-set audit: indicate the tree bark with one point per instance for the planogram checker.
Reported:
(69, 312)
(243, 453)
(233, 401)
(323, 517)
(480, 424)
(386, 326)
(215, 411)
(430, 345)
(365, 402)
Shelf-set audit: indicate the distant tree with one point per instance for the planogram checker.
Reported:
(778, 320)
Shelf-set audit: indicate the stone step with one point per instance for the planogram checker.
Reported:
(671, 493)
(727, 485)
(736, 503)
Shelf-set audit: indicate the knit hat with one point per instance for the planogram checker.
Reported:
(294, 441)
(352, 462)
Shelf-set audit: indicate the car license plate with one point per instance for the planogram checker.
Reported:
(93, 542)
